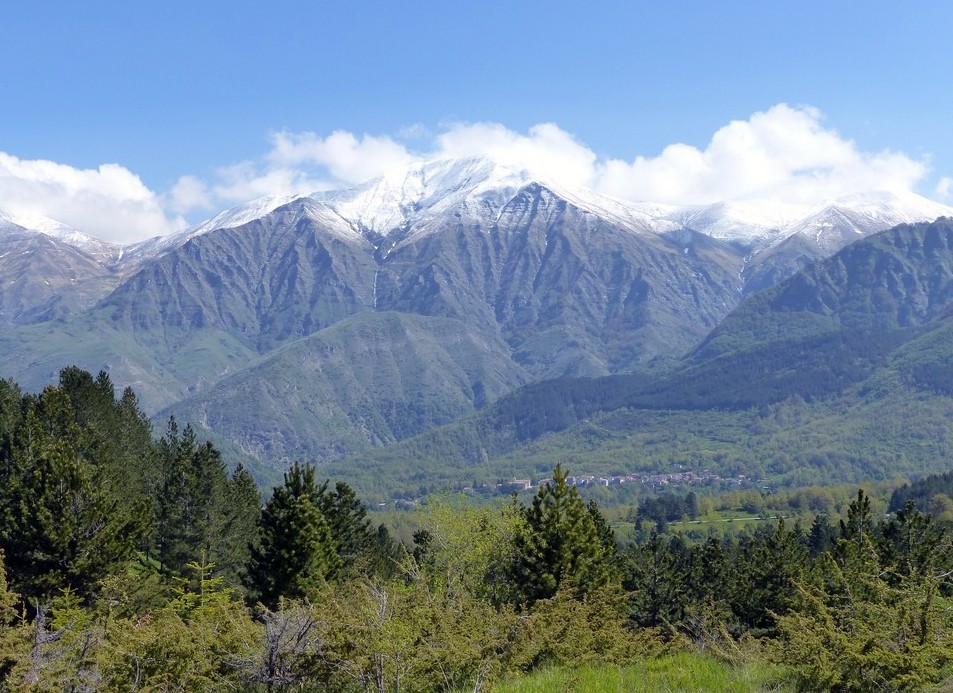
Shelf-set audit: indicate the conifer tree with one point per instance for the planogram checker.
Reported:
(356, 542)
(821, 537)
(296, 551)
(191, 500)
(240, 527)
(11, 412)
(63, 520)
(9, 653)
(912, 546)
(655, 577)
(126, 449)
(769, 568)
(560, 544)
(858, 527)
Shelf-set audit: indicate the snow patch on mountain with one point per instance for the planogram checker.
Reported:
(415, 201)
(228, 219)
(390, 203)
(34, 223)
(759, 224)
(833, 225)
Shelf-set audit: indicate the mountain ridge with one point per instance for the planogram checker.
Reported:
(553, 284)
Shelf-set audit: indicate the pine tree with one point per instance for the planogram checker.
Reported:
(822, 536)
(559, 545)
(859, 525)
(240, 527)
(125, 450)
(10, 653)
(357, 544)
(63, 518)
(912, 546)
(769, 568)
(11, 413)
(603, 530)
(191, 500)
(655, 578)
(296, 551)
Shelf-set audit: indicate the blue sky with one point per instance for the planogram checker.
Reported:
(174, 110)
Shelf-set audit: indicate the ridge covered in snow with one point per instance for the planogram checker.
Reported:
(34, 223)
(413, 201)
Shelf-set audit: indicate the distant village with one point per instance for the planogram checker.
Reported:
(653, 481)
(704, 478)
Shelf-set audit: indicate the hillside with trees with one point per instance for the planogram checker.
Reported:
(133, 562)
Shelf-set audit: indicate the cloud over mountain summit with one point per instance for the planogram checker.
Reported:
(785, 153)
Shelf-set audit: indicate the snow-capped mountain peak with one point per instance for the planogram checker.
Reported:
(834, 224)
(763, 223)
(229, 218)
(63, 233)
(892, 207)
(390, 202)
(412, 201)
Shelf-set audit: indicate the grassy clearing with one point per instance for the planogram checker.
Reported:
(676, 672)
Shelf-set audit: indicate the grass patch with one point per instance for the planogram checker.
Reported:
(675, 672)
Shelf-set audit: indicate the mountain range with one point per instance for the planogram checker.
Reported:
(840, 373)
(321, 326)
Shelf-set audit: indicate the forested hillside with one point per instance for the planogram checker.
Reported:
(134, 562)
(841, 373)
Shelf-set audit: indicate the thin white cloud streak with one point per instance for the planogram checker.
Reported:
(785, 154)
(109, 202)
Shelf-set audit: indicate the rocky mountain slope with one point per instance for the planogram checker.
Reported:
(437, 289)
(48, 270)
(841, 372)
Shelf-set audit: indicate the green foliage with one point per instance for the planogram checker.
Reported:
(465, 549)
(196, 642)
(892, 639)
(922, 491)
(655, 577)
(681, 671)
(64, 520)
(239, 527)
(399, 635)
(876, 617)
(125, 433)
(11, 633)
(190, 499)
(488, 592)
(567, 630)
(912, 545)
(767, 577)
(668, 507)
(559, 546)
(296, 551)
(359, 547)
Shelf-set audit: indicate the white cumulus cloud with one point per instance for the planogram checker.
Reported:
(546, 150)
(109, 202)
(785, 153)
